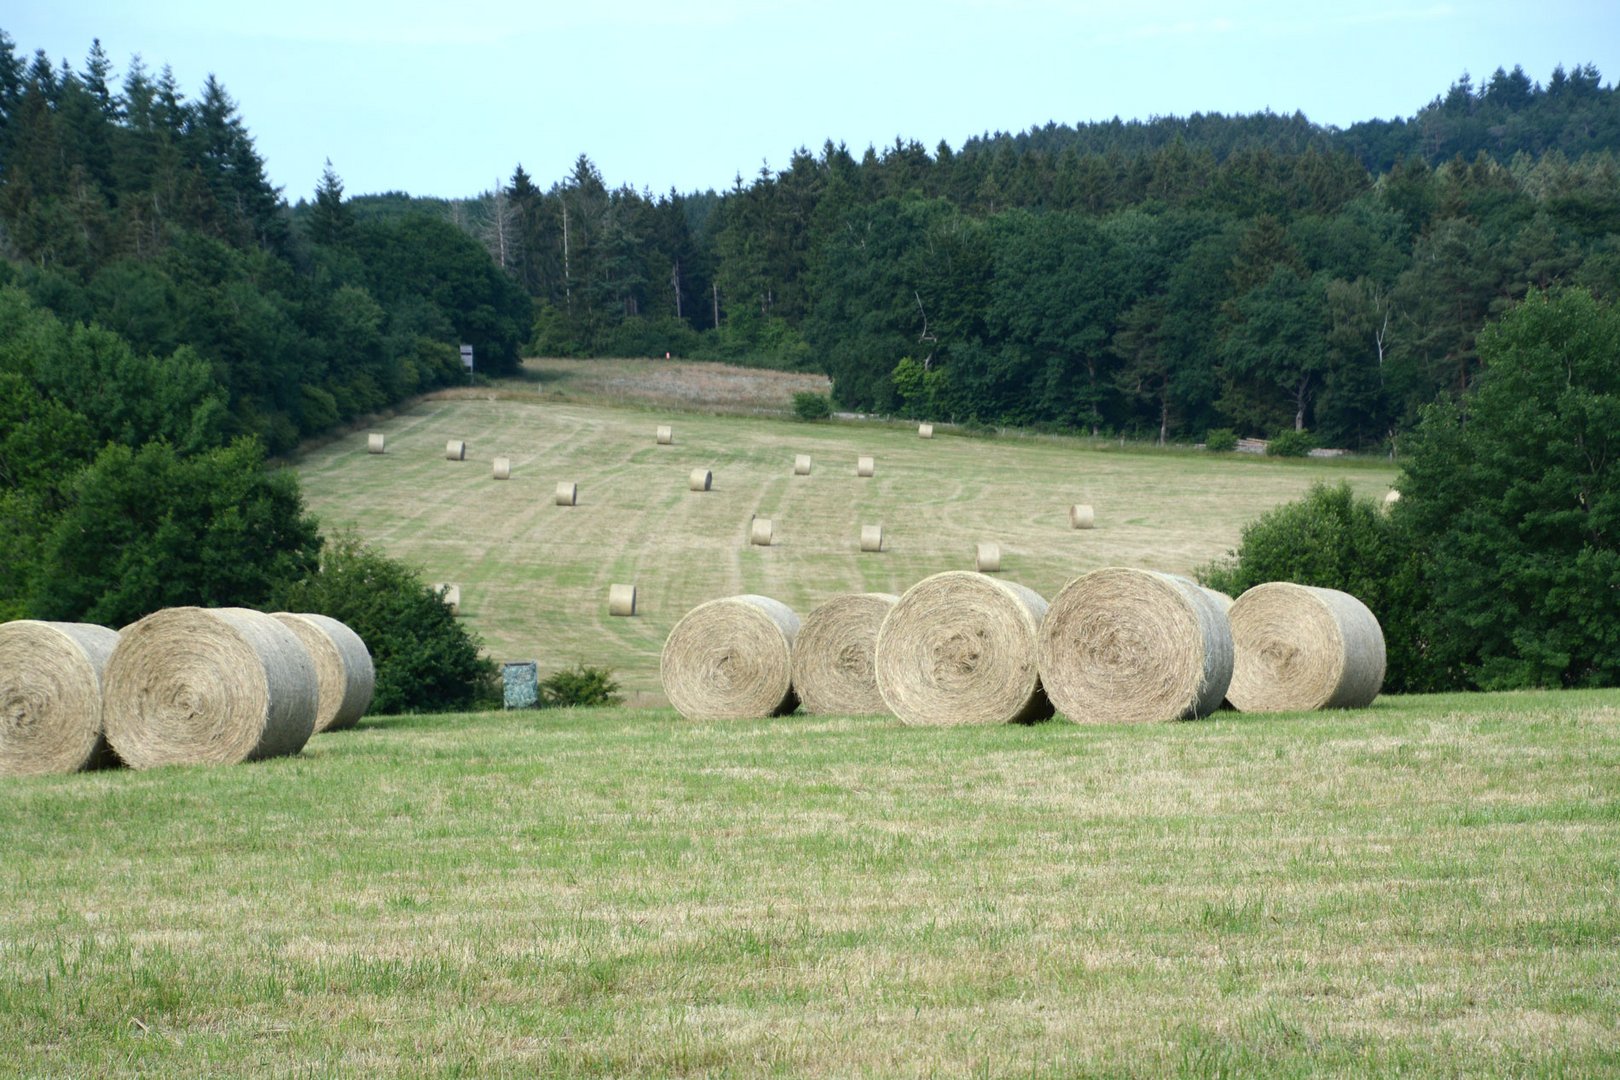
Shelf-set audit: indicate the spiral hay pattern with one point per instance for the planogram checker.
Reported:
(731, 659)
(50, 696)
(1299, 647)
(344, 674)
(959, 648)
(834, 672)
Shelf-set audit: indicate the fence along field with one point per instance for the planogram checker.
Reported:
(534, 577)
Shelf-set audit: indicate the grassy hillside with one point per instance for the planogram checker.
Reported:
(1423, 888)
(534, 576)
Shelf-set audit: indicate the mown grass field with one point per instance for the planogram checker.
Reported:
(1427, 887)
(534, 577)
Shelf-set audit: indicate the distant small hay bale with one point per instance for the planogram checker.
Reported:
(1120, 645)
(666, 435)
(700, 480)
(1298, 647)
(567, 493)
(503, 468)
(731, 659)
(375, 443)
(450, 595)
(871, 538)
(344, 674)
(865, 467)
(208, 686)
(834, 656)
(801, 465)
(925, 431)
(958, 648)
(50, 696)
(621, 600)
(759, 532)
(455, 450)
(1391, 498)
(1082, 516)
(987, 558)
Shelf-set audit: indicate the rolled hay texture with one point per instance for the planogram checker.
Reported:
(621, 600)
(455, 450)
(958, 648)
(1298, 647)
(567, 493)
(865, 466)
(759, 532)
(375, 443)
(801, 465)
(731, 659)
(700, 480)
(987, 558)
(50, 696)
(345, 677)
(503, 468)
(871, 538)
(1082, 516)
(666, 435)
(925, 431)
(1120, 645)
(208, 686)
(834, 656)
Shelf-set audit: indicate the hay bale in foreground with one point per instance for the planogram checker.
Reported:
(759, 532)
(666, 435)
(455, 450)
(801, 465)
(50, 696)
(1299, 647)
(987, 558)
(1120, 645)
(731, 659)
(1082, 516)
(700, 480)
(834, 656)
(208, 686)
(345, 677)
(871, 538)
(865, 466)
(621, 600)
(375, 443)
(567, 493)
(503, 468)
(925, 431)
(958, 648)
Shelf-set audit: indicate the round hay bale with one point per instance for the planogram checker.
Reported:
(567, 493)
(450, 594)
(871, 538)
(208, 686)
(958, 648)
(1391, 498)
(621, 600)
(50, 696)
(1081, 516)
(731, 659)
(503, 468)
(987, 558)
(925, 431)
(1298, 647)
(666, 435)
(700, 480)
(455, 450)
(759, 532)
(1134, 646)
(833, 656)
(865, 467)
(801, 465)
(375, 443)
(344, 674)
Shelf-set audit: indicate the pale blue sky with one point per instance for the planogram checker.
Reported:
(441, 98)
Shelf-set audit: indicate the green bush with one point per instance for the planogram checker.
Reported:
(1220, 440)
(1291, 444)
(581, 686)
(811, 406)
